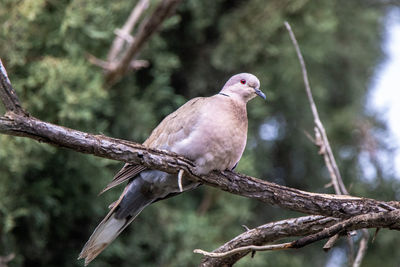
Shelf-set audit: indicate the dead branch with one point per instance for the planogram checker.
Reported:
(331, 242)
(119, 66)
(125, 31)
(388, 219)
(320, 133)
(243, 249)
(362, 248)
(268, 233)
(325, 149)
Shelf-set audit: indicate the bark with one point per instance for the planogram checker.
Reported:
(339, 206)
(315, 228)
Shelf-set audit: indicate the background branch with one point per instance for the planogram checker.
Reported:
(126, 30)
(146, 29)
(321, 139)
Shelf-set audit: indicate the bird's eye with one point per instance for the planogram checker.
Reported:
(243, 81)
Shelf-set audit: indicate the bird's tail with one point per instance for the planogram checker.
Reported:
(122, 213)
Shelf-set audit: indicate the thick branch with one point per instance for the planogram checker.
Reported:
(240, 184)
(148, 27)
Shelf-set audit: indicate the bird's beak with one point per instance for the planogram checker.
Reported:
(259, 93)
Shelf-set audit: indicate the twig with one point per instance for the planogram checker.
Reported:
(243, 249)
(331, 241)
(245, 227)
(362, 248)
(98, 62)
(350, 251)
(375, 234)
(106, 65)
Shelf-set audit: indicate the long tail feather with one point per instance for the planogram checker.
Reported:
(124, 211)
(104, 234)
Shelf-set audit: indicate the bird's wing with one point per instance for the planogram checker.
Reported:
(174, 128)
(177, 126)
(127, 172)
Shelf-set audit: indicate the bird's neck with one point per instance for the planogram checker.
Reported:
(220, 93)
(241, 100)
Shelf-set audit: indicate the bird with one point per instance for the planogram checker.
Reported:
(210, 131)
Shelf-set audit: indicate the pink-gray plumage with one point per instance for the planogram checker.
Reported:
(210, 131)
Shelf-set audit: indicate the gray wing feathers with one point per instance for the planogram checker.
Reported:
(135, 199)
(127, 172)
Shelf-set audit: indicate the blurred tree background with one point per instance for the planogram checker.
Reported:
(48, 196)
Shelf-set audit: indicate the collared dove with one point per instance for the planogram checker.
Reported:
(210, 131)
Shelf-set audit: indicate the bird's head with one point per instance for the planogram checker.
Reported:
(243, 86)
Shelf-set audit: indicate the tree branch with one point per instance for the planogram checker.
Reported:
(325, 149)
(388, 219)
(240, 184)
(320, 133)
(147, 28)
(362, 248)
(268, 233)
(126, 30)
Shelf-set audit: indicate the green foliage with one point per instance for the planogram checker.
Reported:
(48, 196)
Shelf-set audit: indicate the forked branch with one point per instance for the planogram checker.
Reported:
(119, 65)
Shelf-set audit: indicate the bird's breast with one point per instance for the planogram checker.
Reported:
(218, 141)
